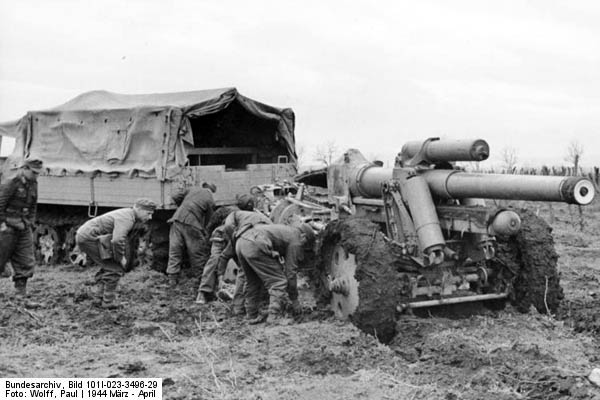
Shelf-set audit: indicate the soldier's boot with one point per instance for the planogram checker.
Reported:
(238, 310)
(173, 280)
(109, 296)
(237, 306)
(253, 314)
(278, 319)
(259, 318)
(6, 272)
(21, 294)
(204, 297)
(98, 294)
(276, 314)
(296, 307)
(21, 288)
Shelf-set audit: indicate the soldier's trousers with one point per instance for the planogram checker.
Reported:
(209, 274)
(16, 246)
(239, 294)
(110, 271)
(254, 251)
(186, 239)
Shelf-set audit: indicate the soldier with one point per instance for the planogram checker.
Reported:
(235, 225)
(104, 239)
(188, 229)
(220, 251)
(18, 206)
(270, 254)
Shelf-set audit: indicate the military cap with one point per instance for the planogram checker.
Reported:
(210, 186)
(33, 164)
(245, 202)
(145, 204)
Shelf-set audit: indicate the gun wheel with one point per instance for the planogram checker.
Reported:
(47, 244)
(73, 255)
(356, 278)
(533, 260)
(344, 300)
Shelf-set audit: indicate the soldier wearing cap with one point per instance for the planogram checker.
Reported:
(18, 206)
(270, 254)
(188, 234)
(105, 239)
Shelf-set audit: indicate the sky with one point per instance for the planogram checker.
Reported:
(523, 75)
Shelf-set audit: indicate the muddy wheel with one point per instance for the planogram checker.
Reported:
(533, 260)
(73, 255)
(356, 264)
(47, 244)
(157, 246)
(135, 246)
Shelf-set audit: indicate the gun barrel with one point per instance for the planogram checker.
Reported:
(446, 150)
(457, 184)
(453, 184)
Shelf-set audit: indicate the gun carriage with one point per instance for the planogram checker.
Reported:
(421, 234)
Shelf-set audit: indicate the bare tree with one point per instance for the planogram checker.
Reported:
(471, 166)
(574, 154)
(300, 153)
(509, 159)
(325, 153)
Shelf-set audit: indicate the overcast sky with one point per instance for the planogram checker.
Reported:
(364, 74)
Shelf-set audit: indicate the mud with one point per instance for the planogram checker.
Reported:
(582, 315)
(531, 256)
(527, 366)
(378, 291)
(201, 352)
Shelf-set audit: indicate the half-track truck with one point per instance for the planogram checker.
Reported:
(421, 234)
(102, 150)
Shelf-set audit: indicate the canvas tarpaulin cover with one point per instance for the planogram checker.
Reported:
(134, 134)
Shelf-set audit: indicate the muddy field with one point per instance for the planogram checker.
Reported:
(202, 353)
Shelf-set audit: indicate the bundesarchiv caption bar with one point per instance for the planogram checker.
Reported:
(10, 384)
(81, 388)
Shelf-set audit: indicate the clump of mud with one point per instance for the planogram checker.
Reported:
(581, 315)
(378, 288)
(531, 256)
(489, 356)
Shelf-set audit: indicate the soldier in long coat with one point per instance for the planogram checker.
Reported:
(18, 206)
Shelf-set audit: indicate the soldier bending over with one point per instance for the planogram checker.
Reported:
(104, 240)
(270, 254)
(221, 252)
(187, 234)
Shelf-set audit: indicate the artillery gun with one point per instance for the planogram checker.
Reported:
(421, 234)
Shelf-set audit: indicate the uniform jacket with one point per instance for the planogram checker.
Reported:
(240, 221)
(118, 223)
(220, 238)
(285, 241)
(235, 224)
(18, 200)
(196, 207)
